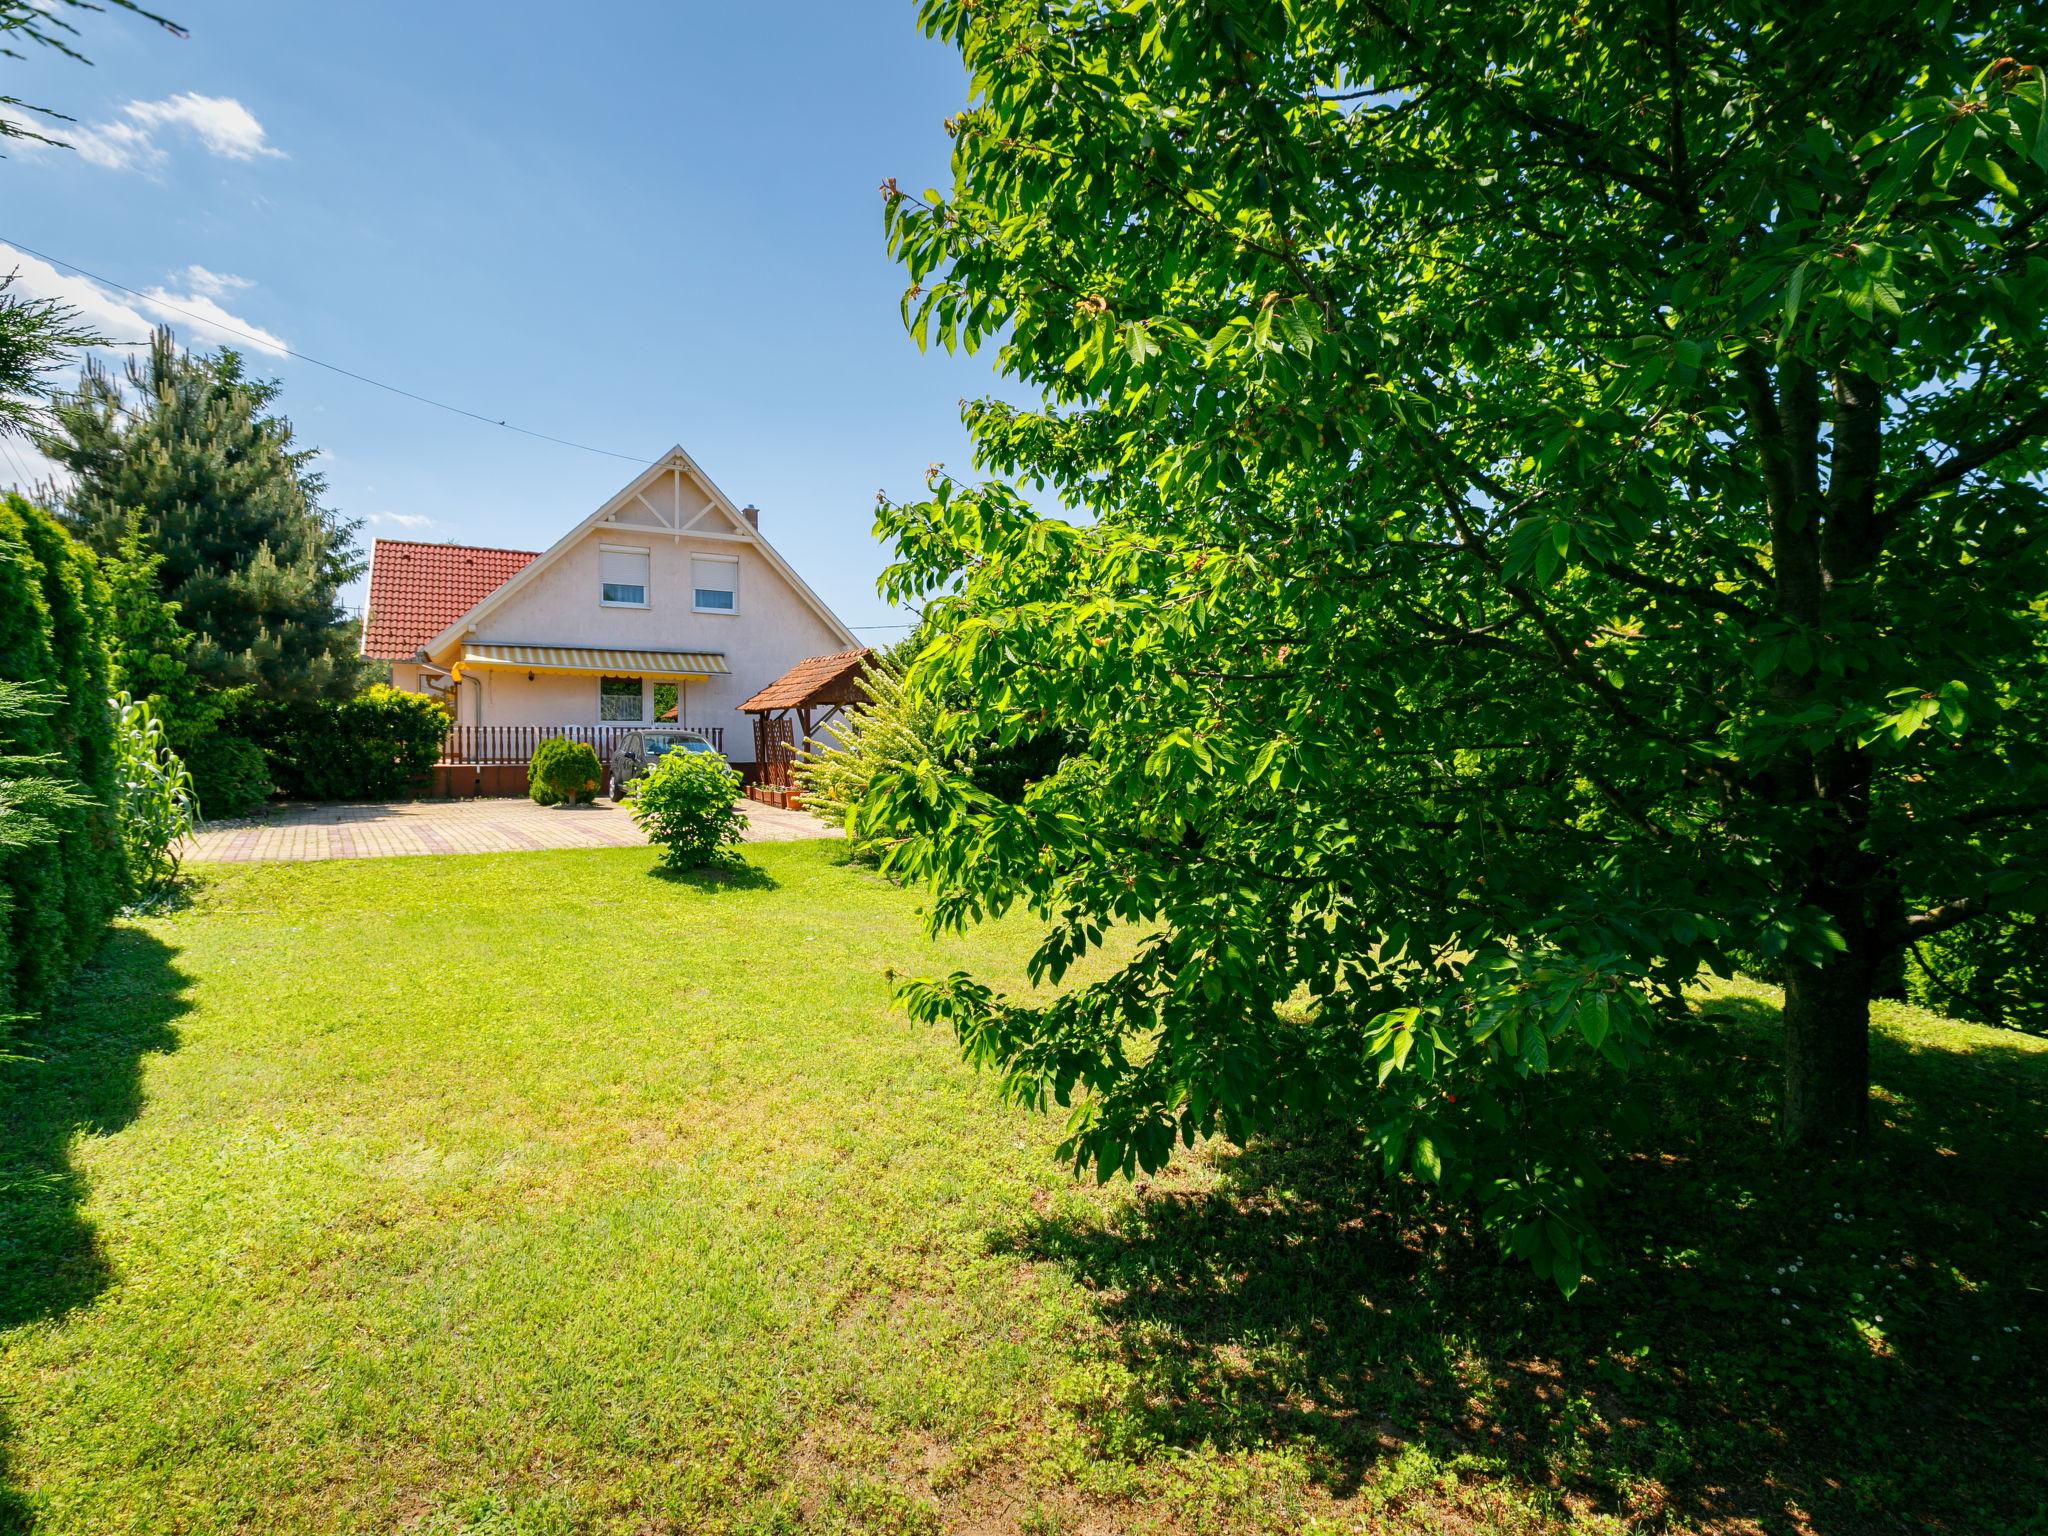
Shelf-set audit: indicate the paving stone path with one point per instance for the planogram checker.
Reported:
(414, 827)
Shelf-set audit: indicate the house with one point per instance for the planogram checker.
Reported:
(664, 604)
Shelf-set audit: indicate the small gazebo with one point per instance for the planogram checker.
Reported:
(790, 711)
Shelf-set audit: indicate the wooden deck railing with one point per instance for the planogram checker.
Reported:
(497, 746)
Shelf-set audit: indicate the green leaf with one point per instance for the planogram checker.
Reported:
(1793, 292)
(1302, 324)
(1427, 1162)
(1955, 145)
(1593, 1021)
(1993, 175)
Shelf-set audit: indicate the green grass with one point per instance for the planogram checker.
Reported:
(538, 1193)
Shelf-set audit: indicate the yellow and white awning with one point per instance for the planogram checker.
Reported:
(586, 661)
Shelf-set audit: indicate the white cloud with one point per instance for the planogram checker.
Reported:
(197, 315)
(411, 520)
(213, 284)
(130, 142)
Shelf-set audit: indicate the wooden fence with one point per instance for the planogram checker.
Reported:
(507, 746)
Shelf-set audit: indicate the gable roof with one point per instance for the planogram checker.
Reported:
(738, 530)
(833, 679)
(418, 590)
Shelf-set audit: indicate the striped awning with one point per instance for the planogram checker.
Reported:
(690, 666)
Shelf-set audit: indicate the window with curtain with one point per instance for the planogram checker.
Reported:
(623, 573)
(716, 582)
(618, 698)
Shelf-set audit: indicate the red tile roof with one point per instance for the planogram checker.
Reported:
(833, 679)
(418, 590)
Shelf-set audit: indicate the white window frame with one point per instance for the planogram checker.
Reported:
(731, 560)
(645, 553)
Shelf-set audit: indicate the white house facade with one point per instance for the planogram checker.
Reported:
(666, 604)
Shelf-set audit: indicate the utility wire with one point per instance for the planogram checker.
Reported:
(271, 343)
(22, 482)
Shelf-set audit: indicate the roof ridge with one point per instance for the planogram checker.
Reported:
(493, 549)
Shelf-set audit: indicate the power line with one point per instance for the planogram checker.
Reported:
(273, 344)
(22, 483)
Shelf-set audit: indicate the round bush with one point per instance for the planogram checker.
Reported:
(229, 775)
(688, 803)
(563, 772)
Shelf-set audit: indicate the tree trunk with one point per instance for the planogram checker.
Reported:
(1827, 1050)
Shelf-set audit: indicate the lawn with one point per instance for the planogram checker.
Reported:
(539, 1193)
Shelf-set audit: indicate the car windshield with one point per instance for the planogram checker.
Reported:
(657, 745)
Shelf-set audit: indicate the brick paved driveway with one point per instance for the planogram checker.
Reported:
(396, 828)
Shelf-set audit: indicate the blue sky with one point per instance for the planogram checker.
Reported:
(631, 226)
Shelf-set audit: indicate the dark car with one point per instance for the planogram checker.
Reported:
(637, 751)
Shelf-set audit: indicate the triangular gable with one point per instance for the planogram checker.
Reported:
(672, 495)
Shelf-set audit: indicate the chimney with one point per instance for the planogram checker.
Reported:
(752, 514)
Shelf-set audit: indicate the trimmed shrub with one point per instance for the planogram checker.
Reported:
(688, 803)
(58, 892)
(156, 806)
(230, 776)
(381, 744)
(563, 772)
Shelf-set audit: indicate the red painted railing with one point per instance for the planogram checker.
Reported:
(500, 746)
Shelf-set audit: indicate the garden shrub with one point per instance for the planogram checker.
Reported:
(1993, 972)
(66, 875)
(886, 734)
(155, 805)
(688, 804)
(563, 771)
(378, 745)
(891, 733)
(230, 776)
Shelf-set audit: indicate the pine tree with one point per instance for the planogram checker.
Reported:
(252, 560)
(35, 336)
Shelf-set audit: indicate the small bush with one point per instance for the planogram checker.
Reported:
(229, 775)
(378, 745)
(154, 803)
(563, 772)
(1993, 972)
(688, 803)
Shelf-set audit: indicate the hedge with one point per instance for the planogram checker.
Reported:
(55, 902)
(380, 745)
(230, 775)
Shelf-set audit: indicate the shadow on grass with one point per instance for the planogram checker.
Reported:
(1852, 1349)
(81, 1077)
(716, 880)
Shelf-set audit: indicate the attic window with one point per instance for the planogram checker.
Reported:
(622, 574)
(716, 581)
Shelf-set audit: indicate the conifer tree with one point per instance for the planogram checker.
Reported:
(230, 501)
